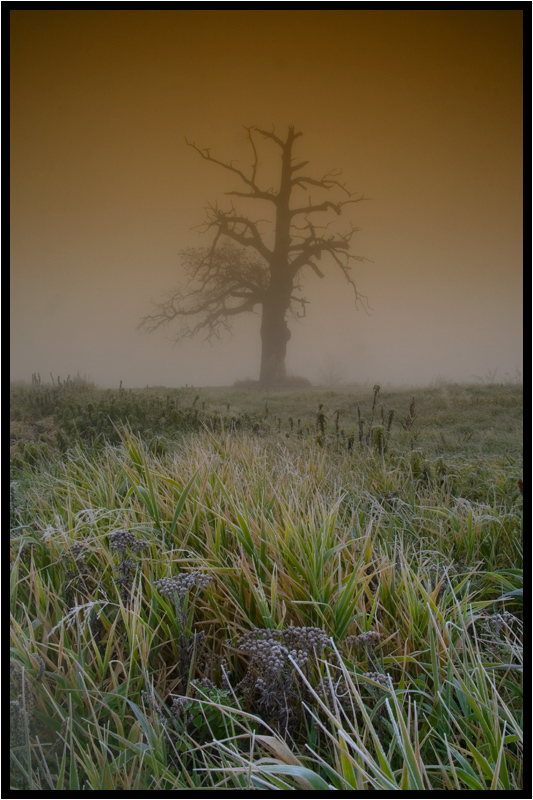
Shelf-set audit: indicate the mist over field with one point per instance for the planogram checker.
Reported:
(421, 110)
(288, 557)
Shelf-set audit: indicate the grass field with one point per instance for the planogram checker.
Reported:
(245, 590)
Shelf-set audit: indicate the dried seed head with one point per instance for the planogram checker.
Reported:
(369, 638)
(167, 586)
(379, 677)
(270, 648)
(122, 540)
(76, 550)
(179, 706)
(182, 584)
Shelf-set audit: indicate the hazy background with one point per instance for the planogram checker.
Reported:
(422, 111)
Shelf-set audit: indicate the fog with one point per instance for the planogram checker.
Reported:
(421, 110)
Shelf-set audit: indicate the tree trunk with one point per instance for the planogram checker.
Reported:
(274, 337)
(274, 329)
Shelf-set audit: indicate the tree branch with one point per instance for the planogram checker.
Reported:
(336, 207)
(223, 282)
(256, 191)
(271, 135)
(227, 222)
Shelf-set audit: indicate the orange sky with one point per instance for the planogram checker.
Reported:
(422, 111)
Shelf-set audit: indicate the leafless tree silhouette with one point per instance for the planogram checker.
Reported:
(239, 272)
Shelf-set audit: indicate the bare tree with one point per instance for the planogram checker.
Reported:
(240, 272)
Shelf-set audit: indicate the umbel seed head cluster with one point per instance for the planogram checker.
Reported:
(379, 677)
(369, 639)
(124, 540)
(272, 647)
(271, 684)
(182, 584)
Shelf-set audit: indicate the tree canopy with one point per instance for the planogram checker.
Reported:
(260, 263)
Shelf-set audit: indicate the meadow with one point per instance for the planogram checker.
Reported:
(305, 589)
